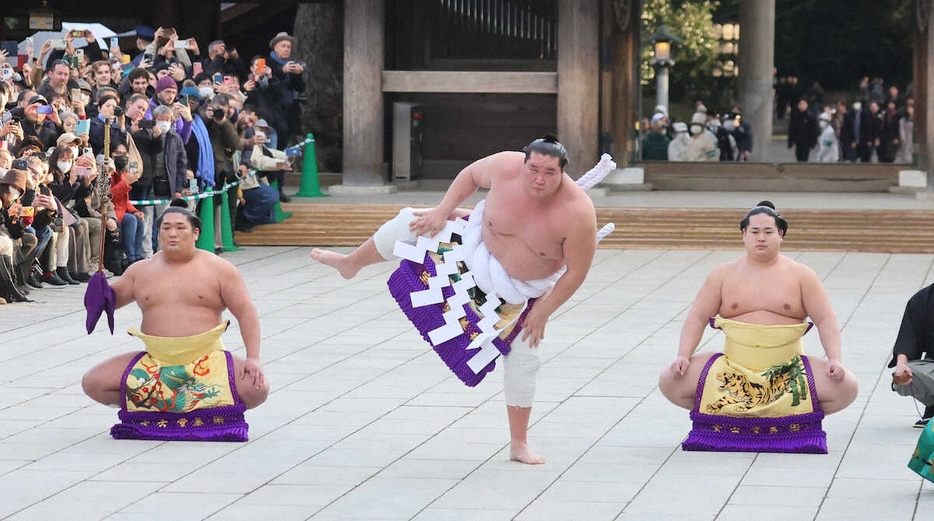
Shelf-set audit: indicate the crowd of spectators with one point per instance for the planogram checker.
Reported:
(176, 123)
(706, 137)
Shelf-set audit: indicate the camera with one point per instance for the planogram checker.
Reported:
(118, 111)
(19, 164)
(147, 124)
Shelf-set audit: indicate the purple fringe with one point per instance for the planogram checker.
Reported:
(799, 433)
(224, 423)
(405, 280)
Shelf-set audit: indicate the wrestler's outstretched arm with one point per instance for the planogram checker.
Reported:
(578, 250)
(706, 305)
(123, 286)
(478, 174)
(237, 299)
(817, 306)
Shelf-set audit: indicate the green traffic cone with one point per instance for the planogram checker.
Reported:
(310, 186)
(206, 214)
(226, 231)
(280, 215)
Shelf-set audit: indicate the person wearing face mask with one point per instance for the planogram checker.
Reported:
(164, 159)
(700, 147)
(827, 142)
(678, 148)
(856, 134)
(167, 95)
(68, 185)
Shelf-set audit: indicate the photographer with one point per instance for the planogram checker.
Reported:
(164, 160)
(12, 231)
(224, 142)
(32, 119)
(289, 75)
(108, 110)
(71, 177)
(132, 220)
(39, 197)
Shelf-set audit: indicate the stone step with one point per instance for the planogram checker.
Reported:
(878, 231)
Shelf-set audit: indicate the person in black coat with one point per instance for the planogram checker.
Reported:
(856, 134)
(913, 353)
(802, 131)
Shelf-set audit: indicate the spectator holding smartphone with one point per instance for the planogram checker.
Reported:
(32, 119)
(291, 85)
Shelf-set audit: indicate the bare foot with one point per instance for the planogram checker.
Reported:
(522, 453)
(335, 260)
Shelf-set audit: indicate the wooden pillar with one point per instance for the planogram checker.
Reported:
(920, 72)
(363, 94)
(756, 61)
(622, 26)
(924, 88)
(578, 81)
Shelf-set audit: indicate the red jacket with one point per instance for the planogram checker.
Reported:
(120, 195)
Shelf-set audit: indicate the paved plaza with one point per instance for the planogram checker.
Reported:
(365, 422)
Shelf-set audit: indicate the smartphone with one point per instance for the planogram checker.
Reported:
(147, 124)
(193, 185)
(88, 151)
(183, 99)
(57, 43)
(115, 42)
(181, 44)
(27, 211)
(260, 65)
(127, 67)
(44, 109)
(83, 126)
(196, 68)
(79, 54)
(147, 57)
(77, 33)
(81, 171)
(218, 77)
(133, 167)
(75, 94)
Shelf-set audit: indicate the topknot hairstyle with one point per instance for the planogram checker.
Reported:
(548, 145)
(768, 208)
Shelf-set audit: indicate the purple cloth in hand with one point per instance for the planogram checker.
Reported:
(98, 298)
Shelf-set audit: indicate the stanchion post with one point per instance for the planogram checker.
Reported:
(227, 241)
(310, 186)
(206, 214)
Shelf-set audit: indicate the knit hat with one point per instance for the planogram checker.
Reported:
(698, 119)
(166, 82)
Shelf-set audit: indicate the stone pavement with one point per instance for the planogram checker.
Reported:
(365, 422)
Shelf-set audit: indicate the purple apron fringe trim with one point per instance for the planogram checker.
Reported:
(405, 280)
(799, 433)
(225, 423)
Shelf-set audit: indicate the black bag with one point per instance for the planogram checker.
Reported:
(161, 187)
(114, 254)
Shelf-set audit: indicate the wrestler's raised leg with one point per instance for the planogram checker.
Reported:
(834, 393)
(519, 449)
(102, 382)
(681, 388)
(250, 394)
(350, 264)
